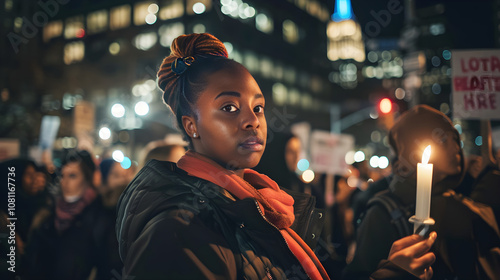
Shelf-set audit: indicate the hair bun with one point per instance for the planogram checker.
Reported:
(194, 45)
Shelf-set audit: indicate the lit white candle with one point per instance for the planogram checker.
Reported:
(424, 186)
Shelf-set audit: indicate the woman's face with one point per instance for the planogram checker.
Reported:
(72, 180)
(28, 180)
(230, 124)
(118, 176)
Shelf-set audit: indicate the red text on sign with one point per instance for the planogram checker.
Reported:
(475, 101)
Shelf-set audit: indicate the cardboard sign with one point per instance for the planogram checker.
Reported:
(48, 131)
(476, 84)
(328, 152)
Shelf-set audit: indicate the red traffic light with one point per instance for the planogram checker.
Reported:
(385, 105)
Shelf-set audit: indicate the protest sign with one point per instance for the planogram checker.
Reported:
(328, 152)
(476, 84)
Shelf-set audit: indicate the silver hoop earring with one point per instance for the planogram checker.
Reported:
(195, 135)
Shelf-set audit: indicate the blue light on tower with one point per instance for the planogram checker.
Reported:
(343, 10)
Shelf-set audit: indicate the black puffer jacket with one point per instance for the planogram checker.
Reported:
(174, 226)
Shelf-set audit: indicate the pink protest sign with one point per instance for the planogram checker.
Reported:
(476, 84)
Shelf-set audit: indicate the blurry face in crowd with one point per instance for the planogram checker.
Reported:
(292, 153)
(229, 121)
(73, 182)
(28, 180)
(446, 156)
(40, 180)
(118, 176)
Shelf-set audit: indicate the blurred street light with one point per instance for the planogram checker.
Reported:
(104, 133)
(385, 105)
(374, 161)
(383, 162)
(117, 110)
(141, 108)
(308, 176)
(359, 156)
(118, 156)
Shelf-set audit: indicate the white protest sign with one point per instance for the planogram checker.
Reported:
(476, 84)
(328, 152)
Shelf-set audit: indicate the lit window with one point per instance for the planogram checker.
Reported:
(199, 28)
(294, 97)
(251, 62)
(171, 9)
(316, 85)
(141, 12)
(8, 5)
(119, 17)
(301, 4)
(236, 56)
(290, 75)
(168, 32)
(74, 28)
(145, 41)
(266, 67)
(307, 101)
(229, 47)
(313, 8)
(52, 29)
(74, 52)
(279, 94)
(97, 21)
(437, 29)
(264, 23)
(325, 14)
(290, 31)
(278, 71)
(198, 6)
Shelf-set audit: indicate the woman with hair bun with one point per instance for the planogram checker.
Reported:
(210, 216)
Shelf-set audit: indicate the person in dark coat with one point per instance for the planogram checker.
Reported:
(68, 240)
(460, 223)
(210, 216)
(20, 198)
(280, 159)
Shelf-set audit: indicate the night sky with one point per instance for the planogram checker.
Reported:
(470, 22)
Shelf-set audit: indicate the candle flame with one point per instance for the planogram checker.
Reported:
(426, 155)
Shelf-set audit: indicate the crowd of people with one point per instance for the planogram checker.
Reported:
(65, 220)
(226, 208)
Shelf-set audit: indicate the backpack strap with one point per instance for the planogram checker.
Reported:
(397, 211)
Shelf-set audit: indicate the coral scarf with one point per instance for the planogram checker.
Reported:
(276, 205)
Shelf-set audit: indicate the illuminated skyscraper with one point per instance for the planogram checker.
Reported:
(344, 34)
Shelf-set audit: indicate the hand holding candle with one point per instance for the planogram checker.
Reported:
(424, 189)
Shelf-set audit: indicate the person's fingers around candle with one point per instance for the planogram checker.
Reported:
(423, 246)
(412, 254)
(405, 242)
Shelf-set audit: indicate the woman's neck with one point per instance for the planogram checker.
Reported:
(239, 172)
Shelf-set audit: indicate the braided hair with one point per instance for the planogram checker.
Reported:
(182, 74)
